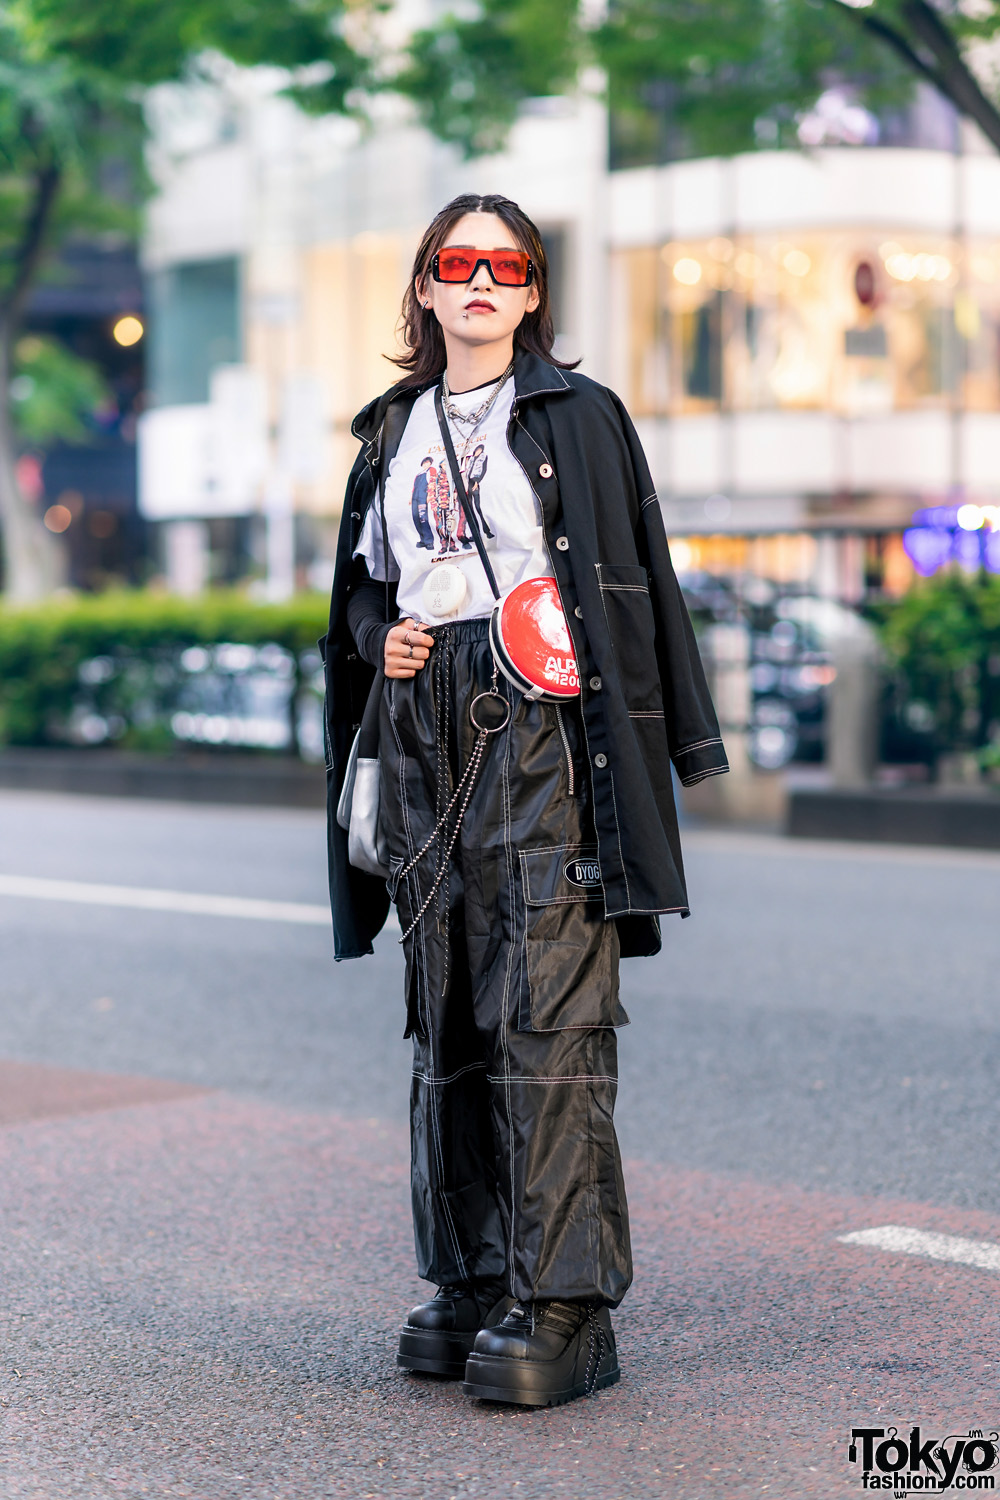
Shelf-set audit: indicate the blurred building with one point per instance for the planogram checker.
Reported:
(92, 302)
(277, 252)
(809, 342)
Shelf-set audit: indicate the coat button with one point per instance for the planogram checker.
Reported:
(562, 542)
(595, 683)
(546, 471)
(600, 760)
(578, 612)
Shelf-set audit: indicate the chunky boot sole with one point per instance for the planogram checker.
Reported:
(527, 1384)
(428, 1352)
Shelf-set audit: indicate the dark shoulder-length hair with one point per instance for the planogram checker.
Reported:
(425, 357)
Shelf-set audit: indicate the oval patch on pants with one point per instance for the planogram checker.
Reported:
(584, 872)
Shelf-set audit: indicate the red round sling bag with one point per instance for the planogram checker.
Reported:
(529, 636)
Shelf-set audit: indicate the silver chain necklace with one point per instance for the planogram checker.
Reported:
(472, 418)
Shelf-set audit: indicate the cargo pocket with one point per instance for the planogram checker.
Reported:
(571, 951)
(628, 610)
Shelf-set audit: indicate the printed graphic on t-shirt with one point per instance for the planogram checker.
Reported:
(438, 517)
(432, 556)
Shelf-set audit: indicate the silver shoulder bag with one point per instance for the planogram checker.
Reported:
(357, 806)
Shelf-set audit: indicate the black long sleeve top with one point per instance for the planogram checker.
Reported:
(366, 618)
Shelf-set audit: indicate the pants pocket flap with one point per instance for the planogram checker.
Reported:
(562, 872)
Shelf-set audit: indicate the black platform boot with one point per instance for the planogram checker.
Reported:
(438, 1336)
(543, 1354)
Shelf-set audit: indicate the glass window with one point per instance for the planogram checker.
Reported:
(977, 322)
(916, 285)
(194, 326)
(692, 319)
(639, 333)
(849, 322)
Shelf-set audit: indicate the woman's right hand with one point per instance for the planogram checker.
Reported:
(407, 647)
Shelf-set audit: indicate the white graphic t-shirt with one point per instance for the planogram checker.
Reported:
(431, 551)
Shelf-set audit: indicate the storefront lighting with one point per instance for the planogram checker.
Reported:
(58, 517)
(687, 271)
(967, 319)
(797, 263)
(944, 534)
(720, 248)
(682, 553)
(900, 266)
(974, 517)
(921, 267)
(127, 331)
(748, 264)
(719, 277)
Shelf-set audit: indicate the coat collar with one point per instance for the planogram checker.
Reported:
(533, 376)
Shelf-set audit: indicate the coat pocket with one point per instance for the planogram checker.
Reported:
(571, 951)
(628, 610)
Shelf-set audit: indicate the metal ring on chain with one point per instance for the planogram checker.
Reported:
(490, 728)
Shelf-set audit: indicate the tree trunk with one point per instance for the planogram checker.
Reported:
(33, 559)
(926, 46)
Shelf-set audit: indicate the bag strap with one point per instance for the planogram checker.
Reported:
(456, 475)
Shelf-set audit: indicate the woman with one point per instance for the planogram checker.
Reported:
(519, 891)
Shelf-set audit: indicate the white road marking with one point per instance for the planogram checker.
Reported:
(779, 846)
(893, 1237)
(145, 899)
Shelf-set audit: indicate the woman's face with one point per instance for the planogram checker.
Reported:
(479, 311)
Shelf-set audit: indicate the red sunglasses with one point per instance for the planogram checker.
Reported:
(506, 267)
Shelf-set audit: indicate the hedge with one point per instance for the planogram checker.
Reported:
(117, 657)
(942, 642)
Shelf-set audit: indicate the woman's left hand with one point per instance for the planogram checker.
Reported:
(407, 647)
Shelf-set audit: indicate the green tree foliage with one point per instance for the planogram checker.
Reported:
(724, 76)
(943, 641)
(55, 394)
(71, 87)
(468, 75)
(738, 74)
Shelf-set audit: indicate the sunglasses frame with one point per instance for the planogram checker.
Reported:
(484, 260)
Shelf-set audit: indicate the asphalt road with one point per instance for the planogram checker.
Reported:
(204, 1238)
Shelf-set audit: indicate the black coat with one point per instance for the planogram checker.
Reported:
(644, 698)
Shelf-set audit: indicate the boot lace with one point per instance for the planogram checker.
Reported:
(595, 1349)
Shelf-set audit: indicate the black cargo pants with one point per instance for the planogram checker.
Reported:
(511, 989)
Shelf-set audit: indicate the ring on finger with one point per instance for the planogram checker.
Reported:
(407, 641)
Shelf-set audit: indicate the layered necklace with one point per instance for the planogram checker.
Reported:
(470, 420)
